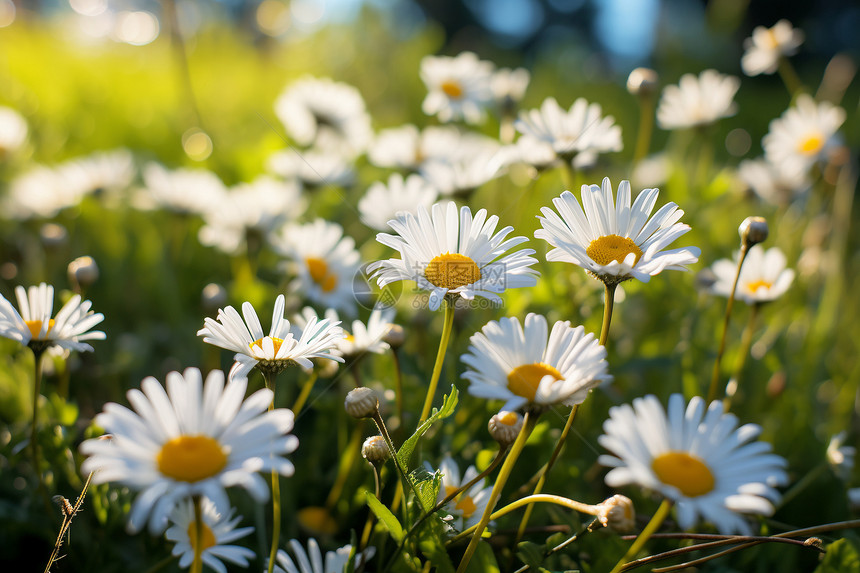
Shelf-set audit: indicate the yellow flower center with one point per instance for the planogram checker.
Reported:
(35, 327)
(452, 89)
(524, 380)
(208, 537)
(317, 520)
(684, 471)
(466, 505)
(753, 286)
(452, 270)
(510, 418)
(191, 458)
(811, 144)
(321, 274)
(276, 342)
(770, 39)
(608, 248)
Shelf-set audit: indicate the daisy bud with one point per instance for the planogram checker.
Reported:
(375, 450)
(83, 271)
(505, 427)
(361, 403)
(53, 236)
(617, 514)
(753, 231)
(395, 336)
(642, 82)
(213, 297)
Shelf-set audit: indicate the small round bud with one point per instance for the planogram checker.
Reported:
(213, 297)
(505, 427)
(83, 271)
(642, 82)
(53, 236)
(395, 336)
(361, 403)
(375, 450)
(753, 231)
(617, 514)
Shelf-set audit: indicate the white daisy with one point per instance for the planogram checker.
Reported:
(448, 253)
(361, 337)
(802, 135)
(39, 192)
(325, 261)
(387, 201)
(770, 183)
(322, 113)
(767, 45)
(311, 561)
(699, 459)
(13, 131)
(254, 209)
(192, 439)
(273, 352)
(464, 174)
(219, 529)
(763, 277)
(34, 326)
(526, 366)
(468, 507)
(458, 87)
(106, 172)
(191, 191)
(614, 241)
(697, 100)
(313, 167)
(405, 147)
(581, 130)
(508, 88)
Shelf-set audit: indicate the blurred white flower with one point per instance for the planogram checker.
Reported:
(219, 529)
(770, 183)
(767, 45)
(508, 87)
(464, 174)
(458, 87)
(697, 100)
(39, 192)
(311, 561)
(13, 131)
(764, 276)
(187, 191)
(313, 167)
(386, 201)
(406, 147)
(841, 457)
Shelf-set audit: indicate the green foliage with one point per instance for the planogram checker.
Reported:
(386, 518)
(426, 485)
(841, 557)
(404, 454)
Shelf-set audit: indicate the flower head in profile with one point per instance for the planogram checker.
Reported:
(458, 87)
(311, 560)
(697, 457)
(312, 167)
(529, 366)
(281, 348)
(190, 439)
(468, 507)
(840, 456)
(612, 240)
(803, 135)
(187, 191)
(697, 100)
(764, 276)
(219, 529)
(360, 337)
(771, 183)
(456, 254)
(386, 201)
(34, 326)
(767, 45)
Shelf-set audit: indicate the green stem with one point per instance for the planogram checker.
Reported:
(608, 305)
(639, 542)
(590, 526)
(440, 358)
(380, 424)
(197, 564)
(743, 352)
(528, 425)
(802, 484)
(37, 384)
(276, 486)
(398, 395)
(715, 376)
(306, 391)
(789, 77)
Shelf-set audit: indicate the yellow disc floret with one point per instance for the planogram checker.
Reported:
(191, 458)
(608, 248)
(753, 286)
(276, 342)
(524, 380)
(452, 270)
(452, 89)
(35, 327)
(685, 471)
(811, 144)
(321, 274)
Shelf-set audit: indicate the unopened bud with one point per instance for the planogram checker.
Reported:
(361, 403)
(83, 271)
(53, 236)
(505, 427)
(642, 82)
(375, 450)
(213, 297)
(617, 514)
(753, 231)
(395, 336)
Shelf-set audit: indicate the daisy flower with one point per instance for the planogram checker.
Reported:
(771, 183)
(697, 100)
(325, 261)
(311, 561)
(191, 191)
(767, 45)
(525, 366)
(614, 241)
(468, 507)
(313, 167)
(841, 457)
(39, 192)
(464, 174)
(104, 172)
(695, 457)
(448, 253)
(802, 135)
(361, 337)
(458, 87)
(35, 328)
(322, 113)
(13, 131)
(508, 88)
(406, 147)
(384, 201)
(192, 439)
(763, 277)
(219, 529)
(581, 130)
(254, 209)
(274, 352)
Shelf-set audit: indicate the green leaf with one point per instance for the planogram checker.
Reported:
(431, 542)
(530, 554)
(385, 517)
(448, 406)
(427, 485)
(841, 557)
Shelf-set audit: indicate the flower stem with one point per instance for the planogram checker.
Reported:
(528, 425)
(656, 521)
(380, 424)
(276, 486)
(37, 384)
(306, 391)
(715, 376)
(197, 564)
(743, 352)
(440, 358)
(398, 396)
(789, 77)
(608, 306)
